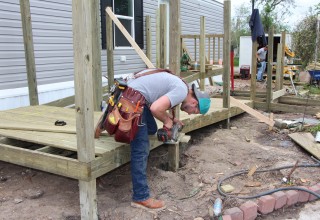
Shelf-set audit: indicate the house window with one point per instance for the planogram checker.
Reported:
(130, 14)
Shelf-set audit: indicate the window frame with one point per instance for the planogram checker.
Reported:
(131, 18)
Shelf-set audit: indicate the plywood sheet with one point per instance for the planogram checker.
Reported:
(307, 141)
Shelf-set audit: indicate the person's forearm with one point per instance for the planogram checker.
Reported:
(164, 117)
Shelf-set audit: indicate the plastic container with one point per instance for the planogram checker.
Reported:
(217, 207)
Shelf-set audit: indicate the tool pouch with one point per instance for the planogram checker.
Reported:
(123, 121)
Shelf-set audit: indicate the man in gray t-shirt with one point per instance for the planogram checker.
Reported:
(261, 57)
(162, 91)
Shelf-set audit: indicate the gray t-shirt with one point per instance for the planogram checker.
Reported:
(153, 86)
(262, 54)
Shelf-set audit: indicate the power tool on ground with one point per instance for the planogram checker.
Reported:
(169, 135)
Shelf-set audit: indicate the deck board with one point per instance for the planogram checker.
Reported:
(32, 124)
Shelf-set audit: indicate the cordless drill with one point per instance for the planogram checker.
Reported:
(169, 135)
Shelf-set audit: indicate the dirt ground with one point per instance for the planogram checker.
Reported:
(212, 153)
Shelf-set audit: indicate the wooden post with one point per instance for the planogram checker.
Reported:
(96, 59)
(195, 49)
(109, 43)
(253, 70)
(83, 70)
(163, 35)
(148, 34)
(226, 53)
(158, 38)
(29, 51)
(174, 65)
(219, 48)
(209, 48)
(283, 42)
(214, 49)
(202, 53)
(278, 71)
(270, 61)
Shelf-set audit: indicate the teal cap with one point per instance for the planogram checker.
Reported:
(203, 98)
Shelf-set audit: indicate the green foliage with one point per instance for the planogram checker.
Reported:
(274, 12)
(240, 24)
(236, 61)
(304, 39)
(312, 89)
(314, 129)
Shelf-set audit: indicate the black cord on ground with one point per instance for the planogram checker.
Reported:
(270, 191)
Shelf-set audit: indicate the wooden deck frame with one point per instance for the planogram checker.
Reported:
(88, 167)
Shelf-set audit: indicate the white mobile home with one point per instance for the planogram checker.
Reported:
(53, 44)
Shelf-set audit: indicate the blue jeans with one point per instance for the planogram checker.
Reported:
(139, 156)
(261, 71)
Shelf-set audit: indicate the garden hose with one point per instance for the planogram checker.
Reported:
(270, 191)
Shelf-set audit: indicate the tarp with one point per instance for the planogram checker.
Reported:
(257, 27)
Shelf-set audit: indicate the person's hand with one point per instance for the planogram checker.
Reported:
(168, 123)
(177, 121)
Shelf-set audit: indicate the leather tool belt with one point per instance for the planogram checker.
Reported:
(123, 119)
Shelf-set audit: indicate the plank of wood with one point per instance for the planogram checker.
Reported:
(129, 38)
(46, 162)
(278, 93)
(307, 141)
(251, 111)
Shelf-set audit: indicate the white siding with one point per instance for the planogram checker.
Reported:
(52, 36)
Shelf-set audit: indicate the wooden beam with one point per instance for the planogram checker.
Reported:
(226, 52)
(307, 141)
(158, 38)
(59, 165)
(210, 118)
(253, 70)
(129, 38)
(174, 65)
(148, 34)
(283, 44)
(278, 94)
(269, 72)
(29, 51)
(279, 74)
(312, 110)
(163, 36)
(202, 53)
(298, 101)
(110, 58)
(252, 112)
(96, 56)
(82, 13)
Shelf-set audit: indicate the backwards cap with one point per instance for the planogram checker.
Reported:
(203, 100)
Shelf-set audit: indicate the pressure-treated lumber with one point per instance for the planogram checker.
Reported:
(46, 162)
(252, 112)
(312, 110)
(129, 38)
(163, 36)
(278, 94)
(202, 53)
(226, 52)
(253, 70)
(96, 56)
(83, 12)
(269, 71)
(279, 74)
(29, 51)
(110, 58)
(174, 65)
(307, 141)
(293, 100)
(148, 36)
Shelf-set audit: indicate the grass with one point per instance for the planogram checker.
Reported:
(312, 89)
(236, 61)
(314, 129)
